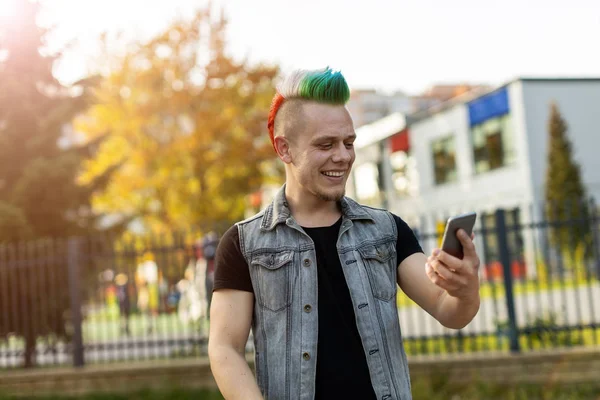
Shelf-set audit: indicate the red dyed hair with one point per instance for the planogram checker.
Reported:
(275, 106)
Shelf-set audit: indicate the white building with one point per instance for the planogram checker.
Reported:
(369, 105)
(477, 152)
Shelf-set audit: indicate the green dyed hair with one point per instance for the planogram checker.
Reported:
(322, 86)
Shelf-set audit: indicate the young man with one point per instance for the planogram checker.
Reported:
(315, 274)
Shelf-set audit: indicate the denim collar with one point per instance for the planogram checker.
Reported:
(278, 211)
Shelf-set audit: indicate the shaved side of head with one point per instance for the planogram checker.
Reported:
(291, 119)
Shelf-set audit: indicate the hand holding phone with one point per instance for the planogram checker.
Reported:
(450, 242)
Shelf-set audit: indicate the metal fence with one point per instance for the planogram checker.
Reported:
(97, 300)
(102, 299)
(539, 286)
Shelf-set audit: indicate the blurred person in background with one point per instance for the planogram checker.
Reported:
(315, 274)
(148, 293)
(122, 284)
(193, 304)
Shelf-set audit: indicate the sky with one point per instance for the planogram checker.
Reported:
(389, 45)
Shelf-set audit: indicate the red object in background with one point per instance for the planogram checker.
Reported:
(256, 199)
(400, 141)
(493, 270)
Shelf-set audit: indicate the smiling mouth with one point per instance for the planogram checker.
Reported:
(333, 174)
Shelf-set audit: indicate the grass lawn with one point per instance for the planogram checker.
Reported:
(425, 389)
(179, 394)
(105, 327)
(442, 389)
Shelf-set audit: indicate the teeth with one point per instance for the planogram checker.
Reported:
(334, 174)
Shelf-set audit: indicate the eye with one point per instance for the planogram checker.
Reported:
(350, 145)
(325, 146)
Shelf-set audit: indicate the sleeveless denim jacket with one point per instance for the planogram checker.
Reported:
(282, 262)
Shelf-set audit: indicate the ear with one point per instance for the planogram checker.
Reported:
(282, 146)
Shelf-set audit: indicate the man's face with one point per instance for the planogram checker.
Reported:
(322, 151)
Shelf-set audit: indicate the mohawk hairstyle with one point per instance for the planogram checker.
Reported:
(322, 86)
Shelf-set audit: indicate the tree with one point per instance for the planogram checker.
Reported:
(186, 125)
(565, 191)
(35, 111)
(39, 194)
(13, 224)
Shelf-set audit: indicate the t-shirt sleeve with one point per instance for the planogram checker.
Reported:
(231, 268)
(407, 243)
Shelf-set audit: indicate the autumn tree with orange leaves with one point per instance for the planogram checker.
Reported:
(186, 129)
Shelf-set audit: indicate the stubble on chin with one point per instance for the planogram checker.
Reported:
(331, 197)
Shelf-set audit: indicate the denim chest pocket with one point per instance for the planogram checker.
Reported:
(276, 276)
(379, 262)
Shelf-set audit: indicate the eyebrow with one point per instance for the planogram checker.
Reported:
(332, 138)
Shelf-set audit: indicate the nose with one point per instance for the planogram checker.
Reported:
(342, 154)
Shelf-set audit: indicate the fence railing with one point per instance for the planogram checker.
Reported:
(101, 299)
(537, 291)
(96, 300)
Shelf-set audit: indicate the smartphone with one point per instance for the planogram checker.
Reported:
(450, 243)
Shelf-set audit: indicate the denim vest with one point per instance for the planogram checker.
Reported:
(282, 262)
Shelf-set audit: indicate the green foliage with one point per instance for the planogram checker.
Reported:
(565, 193)
(39, 195)
(545, 331)
(13, 223)
(37, 174)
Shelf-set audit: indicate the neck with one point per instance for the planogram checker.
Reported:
(309, 210)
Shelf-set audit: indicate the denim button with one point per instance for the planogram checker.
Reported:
(306, 262)
(307, 308)
(306, 356)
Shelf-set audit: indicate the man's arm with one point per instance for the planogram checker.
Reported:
(230, 322)
(444, 286)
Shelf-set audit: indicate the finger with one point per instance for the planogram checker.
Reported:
(453, 263)
(436, 279)
(431, 274)
(467, 243)
(446, 279)
(442, 270)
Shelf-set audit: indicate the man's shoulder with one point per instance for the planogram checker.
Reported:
(371, 210)
(255, 218)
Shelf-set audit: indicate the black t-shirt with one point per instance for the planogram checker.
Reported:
(342, 370)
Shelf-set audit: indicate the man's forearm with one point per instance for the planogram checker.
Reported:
(232, 374)
(456, 313)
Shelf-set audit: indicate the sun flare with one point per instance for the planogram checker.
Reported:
(7, 8)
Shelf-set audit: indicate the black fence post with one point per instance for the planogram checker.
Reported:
(504, 254)
(74, 264)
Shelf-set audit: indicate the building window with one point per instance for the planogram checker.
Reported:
(404, 174)
(493, 144)
(366, 184)
(444, 160)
